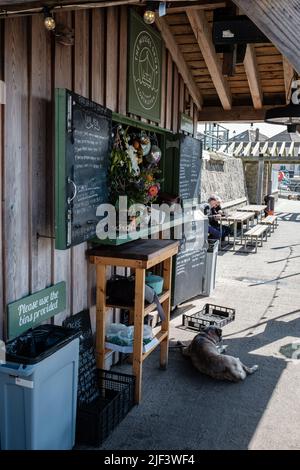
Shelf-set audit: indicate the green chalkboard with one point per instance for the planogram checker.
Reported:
(83, 134)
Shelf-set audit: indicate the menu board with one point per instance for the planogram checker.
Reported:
(189, 167)
(83, 145)
(88, 389)
(189, 265)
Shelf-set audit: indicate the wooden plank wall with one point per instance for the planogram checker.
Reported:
(32, 64)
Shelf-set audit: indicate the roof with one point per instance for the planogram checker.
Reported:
(285, 136)
(249, 136)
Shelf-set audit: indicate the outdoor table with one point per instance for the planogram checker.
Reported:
(239, 217)
(258, 209)
(138, 255)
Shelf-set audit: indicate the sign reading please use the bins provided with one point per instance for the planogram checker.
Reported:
(30, 311)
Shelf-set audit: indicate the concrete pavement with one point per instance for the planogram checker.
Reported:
(182, 409)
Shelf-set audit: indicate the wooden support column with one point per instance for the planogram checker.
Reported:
(166, 305)
(139, 302)
(100, 315)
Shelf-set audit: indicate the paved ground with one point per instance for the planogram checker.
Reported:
(182, 409)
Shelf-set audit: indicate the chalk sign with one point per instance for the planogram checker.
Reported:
(83, 135)
(88, 389)
(36, 308)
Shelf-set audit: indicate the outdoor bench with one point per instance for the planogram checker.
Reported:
(270, 220)
(255, 233)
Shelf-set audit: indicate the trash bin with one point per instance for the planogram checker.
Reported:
(38, 390)
(211, 267)
(270, 202)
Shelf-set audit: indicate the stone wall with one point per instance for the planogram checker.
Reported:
(223, 176)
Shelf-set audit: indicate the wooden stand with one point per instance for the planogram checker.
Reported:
(138, 255)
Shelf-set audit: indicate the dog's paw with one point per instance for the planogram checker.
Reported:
(254, 368)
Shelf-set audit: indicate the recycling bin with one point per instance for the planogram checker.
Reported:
(211, 267)
(38, 390)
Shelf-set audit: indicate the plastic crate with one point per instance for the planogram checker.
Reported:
(97, 420)
(208, 316)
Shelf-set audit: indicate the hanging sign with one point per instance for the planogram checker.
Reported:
(186, 123)
(144, 69)
(32, 310)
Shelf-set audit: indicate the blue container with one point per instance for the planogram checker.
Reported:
(38, 400)
(156, 282)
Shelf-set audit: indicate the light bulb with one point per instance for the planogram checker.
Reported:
(149, 16)
(49, 23)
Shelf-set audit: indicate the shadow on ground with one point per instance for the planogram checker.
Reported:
(183, 409)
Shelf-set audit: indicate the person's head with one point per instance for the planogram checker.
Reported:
(212, 200)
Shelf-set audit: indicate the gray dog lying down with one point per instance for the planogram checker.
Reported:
(207, 359)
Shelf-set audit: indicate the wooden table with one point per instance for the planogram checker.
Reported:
(239, 217)
(257, 209)
(139, 255)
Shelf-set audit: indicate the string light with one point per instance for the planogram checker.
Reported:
(149, 15)
(49, 21)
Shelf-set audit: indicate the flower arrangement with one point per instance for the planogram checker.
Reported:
(134, 170)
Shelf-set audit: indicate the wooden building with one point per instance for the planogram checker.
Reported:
(33, 62)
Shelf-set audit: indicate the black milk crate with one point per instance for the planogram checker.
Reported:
(208, 316)
(97, 420)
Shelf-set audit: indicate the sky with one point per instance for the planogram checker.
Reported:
(267, 129)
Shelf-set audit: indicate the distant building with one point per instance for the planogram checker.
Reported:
(250, 135)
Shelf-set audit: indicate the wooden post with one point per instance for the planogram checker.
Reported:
(138, 330)
(100, 315)
(164, 346)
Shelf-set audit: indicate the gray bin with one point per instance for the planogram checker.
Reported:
(38, 400)
(211, 267)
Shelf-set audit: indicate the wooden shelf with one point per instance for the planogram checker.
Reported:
(148, 308)
(160, 336)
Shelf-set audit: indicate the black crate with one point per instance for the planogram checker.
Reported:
(97, 420)
(210, 315)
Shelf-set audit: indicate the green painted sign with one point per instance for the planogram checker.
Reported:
(144, 69)
(186, 123)
(32, 310)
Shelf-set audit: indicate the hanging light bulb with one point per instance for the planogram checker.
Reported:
(149, 15)
(49, 21)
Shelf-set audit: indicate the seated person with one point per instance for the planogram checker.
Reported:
(214, 213)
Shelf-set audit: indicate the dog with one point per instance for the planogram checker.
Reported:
(205, 356)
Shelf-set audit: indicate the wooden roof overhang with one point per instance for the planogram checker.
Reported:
(262, 81)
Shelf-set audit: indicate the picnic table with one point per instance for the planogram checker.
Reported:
(238, 217)
(256, 208)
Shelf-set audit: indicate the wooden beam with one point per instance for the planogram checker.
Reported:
(252, 72)
(202, 33)
(279, 21)
(288, 73)
(179, 60)
(237, 113)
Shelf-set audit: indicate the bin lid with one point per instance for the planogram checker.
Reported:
(38, 343)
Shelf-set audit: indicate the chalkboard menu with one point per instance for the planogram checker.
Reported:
(88, 389)
(189, 264)
(190, 155)
(83, 144)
